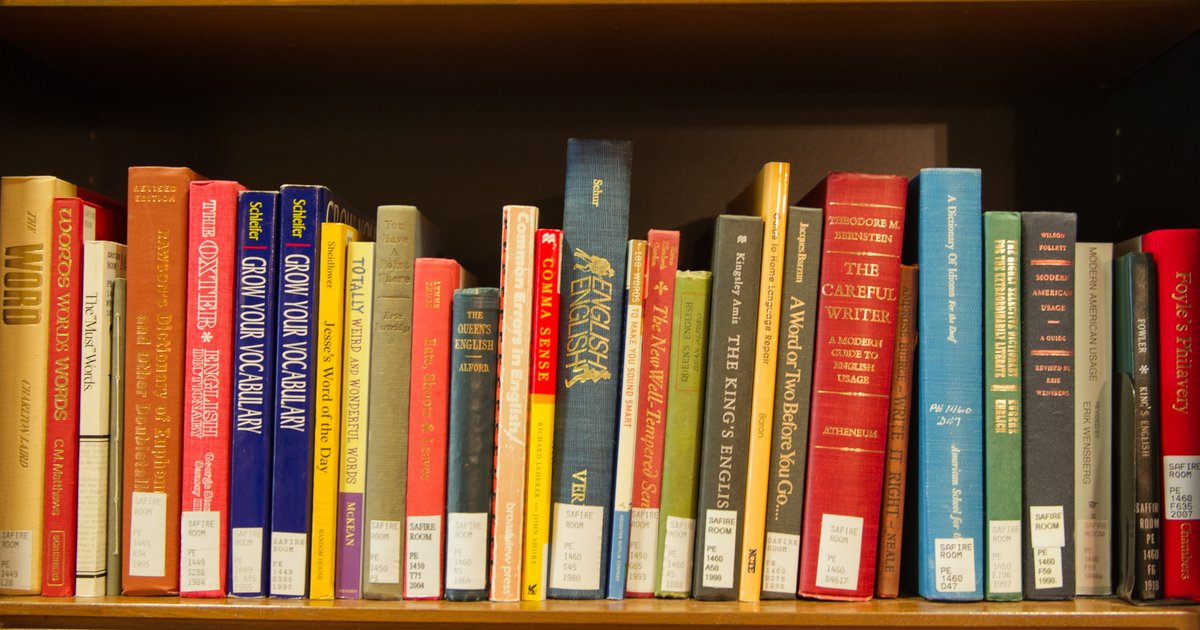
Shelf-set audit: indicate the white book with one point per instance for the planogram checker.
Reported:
(103, 263)
(1093, 419)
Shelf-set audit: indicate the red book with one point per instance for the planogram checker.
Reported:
(852, 381)
(207, 418)
(1177, 256)
(662, 248)
(434, 282)
(75, 221)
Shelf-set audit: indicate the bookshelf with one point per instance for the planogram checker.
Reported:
(461, 106)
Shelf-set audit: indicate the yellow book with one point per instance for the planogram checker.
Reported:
(356, 386)
(770, 202)
(331, 300)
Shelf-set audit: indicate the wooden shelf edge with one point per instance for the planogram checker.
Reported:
(351, 4)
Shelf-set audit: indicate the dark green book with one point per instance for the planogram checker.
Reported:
(1002, 403)
(681, 456)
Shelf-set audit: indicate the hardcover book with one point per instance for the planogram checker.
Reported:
(156, 315)
(631, 364)
(473, 358)
(404, 235)
(768, 196)
(253, 394)
(204, 518)
(793, 387)
(721, 495)
(116, 443)
(542, 384)
(1048, 475)
(595, 231)
(852, 381)
(949, 420)
(681, 457)
(1002, 403)
(662, 251)
(512, 400)
(1093, 419)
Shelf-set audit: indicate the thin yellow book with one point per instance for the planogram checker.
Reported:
(770, 202)
(327, 414)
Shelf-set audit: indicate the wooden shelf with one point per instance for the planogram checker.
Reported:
(175, 613)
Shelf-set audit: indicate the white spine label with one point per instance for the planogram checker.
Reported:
(386, 542)
(1182, 481)
(148, 534)
(289, 569)
(1047, 567)
(1046, 526)
(781, 571)
(1004, 557)
(466, 550)
(839, 551)
(16, 559)
(421, 557)
(1092, 557)
(575, 561)
(643, 550)
(247, 559)
(720, 548)
(677, 555)
(200, 551)
(955, 565)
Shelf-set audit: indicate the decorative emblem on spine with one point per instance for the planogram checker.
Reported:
(589, 319)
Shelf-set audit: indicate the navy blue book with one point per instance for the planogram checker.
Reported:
(949, 420)
(302, 211)
(475, 337)
(253, 384)
(595, 231)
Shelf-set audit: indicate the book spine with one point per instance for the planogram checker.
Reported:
(1048, 477)
(65, 281)
(737, 253)
(1002, 403)
(473, 359)
(852, 381)
(949, 506)
(356, 384)
(793, 386)
(327, 425)
(1135, 366)
(204, 518)
(435, 280)
(387, 438)
(770, 202)
(116, 444)
(681, 457)
(1177, 259)
(1093, 419)
(895, 474)
(542, 383)
(595, 231)
(255, 331)
(103, 263)
(156, 312)
(512, 401)
(662, 249)
(635, 298)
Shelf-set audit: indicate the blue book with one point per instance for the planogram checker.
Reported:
(253, 384)
(302, 211)
(595, 230)
(949, 422)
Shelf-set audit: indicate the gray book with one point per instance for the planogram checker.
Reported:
(116, 439)
(403, 235)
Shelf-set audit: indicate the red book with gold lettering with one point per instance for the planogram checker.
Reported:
(852, 381)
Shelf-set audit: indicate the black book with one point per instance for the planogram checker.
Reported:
(473, 357)
(1135, 363)
(1048, 341)
(737, 257)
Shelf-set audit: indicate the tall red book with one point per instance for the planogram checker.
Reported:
(662, 253)
(434, 282)
(207, 418)
(852, 372)
(74, 221)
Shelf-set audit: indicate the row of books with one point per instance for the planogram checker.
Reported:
(350, 418)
